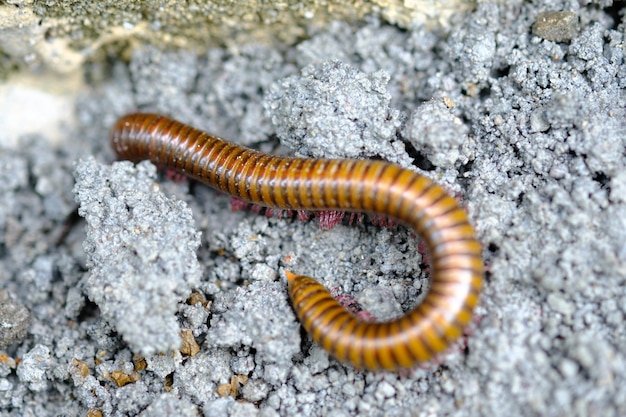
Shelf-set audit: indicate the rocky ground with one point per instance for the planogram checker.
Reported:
(162, 300)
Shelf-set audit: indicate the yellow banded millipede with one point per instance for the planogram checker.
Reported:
(333, 184)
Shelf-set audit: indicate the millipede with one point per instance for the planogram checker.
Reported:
(374, 187)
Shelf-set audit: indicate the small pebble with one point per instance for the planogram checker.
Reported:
(556, 26)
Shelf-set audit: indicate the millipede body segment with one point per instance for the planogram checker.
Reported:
(346, 185)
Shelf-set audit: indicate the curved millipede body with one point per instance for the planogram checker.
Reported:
(346, 185)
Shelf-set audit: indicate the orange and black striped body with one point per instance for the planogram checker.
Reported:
(346, 185)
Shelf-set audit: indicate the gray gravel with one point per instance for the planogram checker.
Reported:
(140, 249)
(333, 110)
(529, 134)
